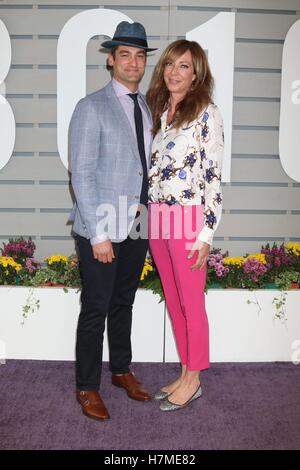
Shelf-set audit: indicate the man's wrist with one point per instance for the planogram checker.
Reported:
(99, 239)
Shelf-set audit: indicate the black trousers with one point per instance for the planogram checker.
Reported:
(108, 290)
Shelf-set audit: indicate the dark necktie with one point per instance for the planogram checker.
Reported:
(138, 119)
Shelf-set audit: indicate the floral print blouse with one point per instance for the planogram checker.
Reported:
(186, 166)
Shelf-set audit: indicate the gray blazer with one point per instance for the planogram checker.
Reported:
(106, 167)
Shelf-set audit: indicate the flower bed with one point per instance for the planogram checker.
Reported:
(276, 266)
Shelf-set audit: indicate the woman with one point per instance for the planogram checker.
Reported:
(185, 203)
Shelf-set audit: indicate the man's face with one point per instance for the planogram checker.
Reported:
(128, 64)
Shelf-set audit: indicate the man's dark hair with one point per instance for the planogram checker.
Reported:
(113, 51)
(114, 48)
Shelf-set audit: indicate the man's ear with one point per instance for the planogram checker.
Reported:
(110, 60)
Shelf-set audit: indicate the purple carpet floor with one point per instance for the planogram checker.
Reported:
(244, 406)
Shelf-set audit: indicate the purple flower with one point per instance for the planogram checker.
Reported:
(209, 174)
(167, 172)
(190, 159)
(205, 116)
(18, 249)
(170, 145)
(182, 174)
(216, 261)
(276, 256)
(31, 265)
(210, 219)
(204, 131)
(254, 269)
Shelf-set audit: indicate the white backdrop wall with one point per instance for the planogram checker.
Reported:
(261, 203)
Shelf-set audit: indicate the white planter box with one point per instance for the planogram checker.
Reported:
(50, 332)
(239, 332)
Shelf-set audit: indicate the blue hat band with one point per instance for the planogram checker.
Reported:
(131, 40)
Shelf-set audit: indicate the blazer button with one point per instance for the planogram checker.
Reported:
(136, 197)
(140, 173)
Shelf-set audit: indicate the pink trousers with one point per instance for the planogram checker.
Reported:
(172, 232)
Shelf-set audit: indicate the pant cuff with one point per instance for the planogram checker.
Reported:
(88, 388)
(120, 371)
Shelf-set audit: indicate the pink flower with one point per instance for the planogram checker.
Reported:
(215, 260)
(254, 269)
(31, 265)
(19, 249)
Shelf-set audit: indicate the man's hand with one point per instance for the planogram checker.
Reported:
(203, 251)
(104, 252)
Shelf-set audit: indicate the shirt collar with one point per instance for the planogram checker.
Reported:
(163, 120)
(120, 89)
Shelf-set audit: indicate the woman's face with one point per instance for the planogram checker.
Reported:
(179, 74)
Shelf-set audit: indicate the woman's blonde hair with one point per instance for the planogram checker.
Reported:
(196, 99)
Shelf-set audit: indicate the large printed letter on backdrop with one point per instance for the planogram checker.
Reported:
(71, 64)
(217, 37)
(7, 120)
(289, 128)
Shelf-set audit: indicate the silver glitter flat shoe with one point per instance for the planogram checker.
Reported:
(167, 405)
(161, 395)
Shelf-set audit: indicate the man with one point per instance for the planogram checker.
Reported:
(110, 139)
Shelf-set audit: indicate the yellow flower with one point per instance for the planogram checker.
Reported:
(56, 259)
(236, 261)
(259, 256)
(294, 247)
(6, 261)
(147, 267)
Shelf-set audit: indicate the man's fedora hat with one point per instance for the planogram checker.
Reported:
(129, 34)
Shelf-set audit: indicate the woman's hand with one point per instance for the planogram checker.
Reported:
(203, 251)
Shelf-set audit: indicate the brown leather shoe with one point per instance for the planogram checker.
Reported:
(92, 404)
(133, 387)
